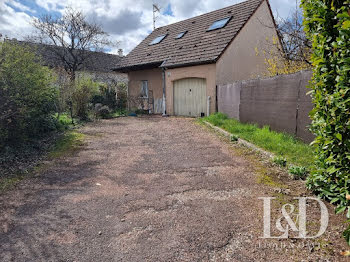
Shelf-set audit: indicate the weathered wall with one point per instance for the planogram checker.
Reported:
(280, 102)
(240, 61)
(229, 97)
(154, 78)
(107, 78)
(202, 71)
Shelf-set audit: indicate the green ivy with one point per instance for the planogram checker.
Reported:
(327, 24)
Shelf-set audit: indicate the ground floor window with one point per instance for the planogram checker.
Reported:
(144, 89)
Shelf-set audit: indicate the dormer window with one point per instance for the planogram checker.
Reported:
(219, 24)
(157, 40)
(181, 35)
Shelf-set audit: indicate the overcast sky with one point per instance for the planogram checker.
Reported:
(126, 21)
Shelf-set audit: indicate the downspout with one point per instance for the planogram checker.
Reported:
(164, 95)
(127, 94)
(164, 87)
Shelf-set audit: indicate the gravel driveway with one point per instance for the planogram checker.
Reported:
(141, 189)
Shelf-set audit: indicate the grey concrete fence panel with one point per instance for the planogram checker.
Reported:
(280, 102)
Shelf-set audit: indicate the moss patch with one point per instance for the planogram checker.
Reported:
(69, 143)
(6, 183)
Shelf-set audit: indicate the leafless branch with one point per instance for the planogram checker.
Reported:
(294, 44)
(70, 38)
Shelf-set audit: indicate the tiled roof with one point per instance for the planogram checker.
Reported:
(198, 46)
(95, 61)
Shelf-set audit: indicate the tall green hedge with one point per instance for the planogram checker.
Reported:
(327, 24)
(27, 95)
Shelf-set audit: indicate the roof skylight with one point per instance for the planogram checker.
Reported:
(181, 35)
(157, 40)
(219, 24)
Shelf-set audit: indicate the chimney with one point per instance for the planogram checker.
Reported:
(120, 52)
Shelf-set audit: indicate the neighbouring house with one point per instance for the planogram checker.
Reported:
(177, 68)
(98, 65)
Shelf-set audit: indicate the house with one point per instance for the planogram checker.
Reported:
(177, 68)
(97, 65)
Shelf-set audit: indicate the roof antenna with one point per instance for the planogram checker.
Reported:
(156, 10)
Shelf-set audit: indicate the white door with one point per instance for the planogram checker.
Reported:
(190, 97)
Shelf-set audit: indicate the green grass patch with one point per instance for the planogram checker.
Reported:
(280, 144)
(67, 144)
(64, 119)
(64, 122)
(116, 114)
(9, 182)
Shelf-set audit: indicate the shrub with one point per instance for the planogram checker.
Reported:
(84, 90)
(102, 111)
(122, 96)
(234, 138)
(298, 172)
(105, 112)
(106, 96)
(27, 95)
(280, 161)
(327, 24)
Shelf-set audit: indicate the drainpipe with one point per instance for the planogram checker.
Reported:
(208, 105)
(164, 96)
(164, 87)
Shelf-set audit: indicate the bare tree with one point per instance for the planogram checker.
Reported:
(290, 51)
(71, 38)
(296, 46)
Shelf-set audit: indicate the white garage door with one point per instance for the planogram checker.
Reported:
(190, 97)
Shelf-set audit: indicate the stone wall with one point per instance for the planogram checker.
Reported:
(108, 78)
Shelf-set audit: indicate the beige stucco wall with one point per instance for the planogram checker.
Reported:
(202, 71)
(154, 78)
(240, 61)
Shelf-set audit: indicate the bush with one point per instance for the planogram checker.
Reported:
(327, 24)
(112, 95)
(280, 161)
(106, 96)
(234, 138)
(27, 95)
(105, 112)
(298, 172)
(122, 96)
(102, 111)
(84, 90)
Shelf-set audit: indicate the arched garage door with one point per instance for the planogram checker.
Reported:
(190, 97)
